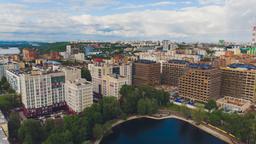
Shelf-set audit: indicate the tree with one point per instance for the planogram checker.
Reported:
(85, 73)
(13, 126)
(60, 138)
(98, 131)
(31, 132)
(211, 104)
(129, 98)
(147, 106)
(110, 108)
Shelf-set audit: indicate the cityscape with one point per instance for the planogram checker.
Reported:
(116, 72)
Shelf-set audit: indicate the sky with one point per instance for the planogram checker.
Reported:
(110, 20)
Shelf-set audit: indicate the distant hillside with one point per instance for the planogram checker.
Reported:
(42, 47)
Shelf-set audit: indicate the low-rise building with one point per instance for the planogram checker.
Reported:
(233, 104)
(78, 94)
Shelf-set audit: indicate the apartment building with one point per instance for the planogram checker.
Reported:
(78, 94)
(146, 72)
(42, 92)
(71, 73)
(200, 83)
(172, 71)
(111, 85)
(239, 81)
(100, 69)
(13, 78)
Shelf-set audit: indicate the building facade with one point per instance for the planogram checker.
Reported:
(100, 69)
(13, 78)
(239, 81)
(200, 83)
(146, 72)
(111, 85)
(42, 93)
(172, 71)
(71, 73)
(78, 94)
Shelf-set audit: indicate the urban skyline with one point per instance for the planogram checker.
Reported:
(190, 20)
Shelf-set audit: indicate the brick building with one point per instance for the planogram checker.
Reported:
(146, 72)
(200, 83)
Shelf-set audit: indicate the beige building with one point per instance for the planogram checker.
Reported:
(100, 70)
(239, 81)
(111, 85)
(71, 73)
(78, 94)
(200, 83)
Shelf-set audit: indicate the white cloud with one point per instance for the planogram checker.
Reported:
(231, 20)
(208, 2)
(35, 1)
(136, 6)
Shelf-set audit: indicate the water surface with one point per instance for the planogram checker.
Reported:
(167, 131)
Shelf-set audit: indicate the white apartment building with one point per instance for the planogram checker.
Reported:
(40, 91)
(111, 85)
(78, 94)
(71, 73)
(13, 78)
(98, 70)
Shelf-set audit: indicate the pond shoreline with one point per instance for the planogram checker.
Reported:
(206, 128)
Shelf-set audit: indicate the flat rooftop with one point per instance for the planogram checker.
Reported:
(175, 61)
(200, 66)
(145, 61)
(242, 66)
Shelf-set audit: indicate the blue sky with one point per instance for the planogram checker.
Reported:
(178, 20)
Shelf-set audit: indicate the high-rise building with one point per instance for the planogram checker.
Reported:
(78, 94)
(146, 72)
(13, 78)
(254, 35)
(111, 85)
(173, 70)
(239, 81)
(42, 92)
(71, 73)
(200, 83)
(100, 69)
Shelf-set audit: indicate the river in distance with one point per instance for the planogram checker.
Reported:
(167, 131)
